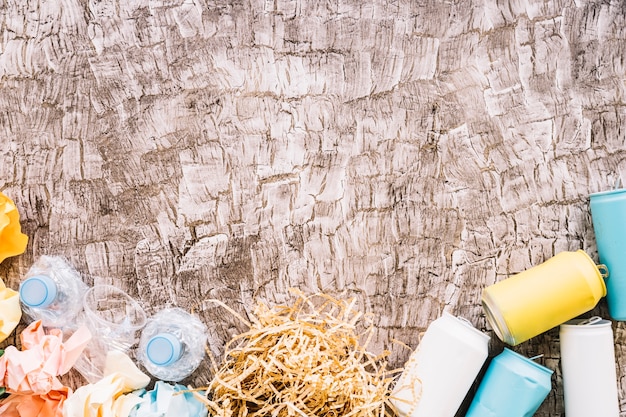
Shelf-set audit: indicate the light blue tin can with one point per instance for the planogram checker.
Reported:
(513, 386)
(608, 214)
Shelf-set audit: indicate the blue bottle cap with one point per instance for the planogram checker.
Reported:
(164, 349)
(38, 291)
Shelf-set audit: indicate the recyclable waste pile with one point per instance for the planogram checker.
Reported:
(310, 357)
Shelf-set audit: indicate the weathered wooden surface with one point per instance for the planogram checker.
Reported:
(405, 153)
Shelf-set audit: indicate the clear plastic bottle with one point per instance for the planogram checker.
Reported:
(52, 292)
(172, 344)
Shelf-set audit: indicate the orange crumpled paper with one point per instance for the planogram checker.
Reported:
(10, 310)
(12, 240)
(43, 357)
(49, 404)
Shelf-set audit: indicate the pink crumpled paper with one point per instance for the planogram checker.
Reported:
(34, 369)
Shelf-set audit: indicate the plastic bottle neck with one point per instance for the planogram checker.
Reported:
(38, 291)
(164, 349)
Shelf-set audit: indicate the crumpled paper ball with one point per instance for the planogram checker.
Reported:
(35, 368)
(10, 310)
(167, 400)
(12, 240)
(49, 404)
(112, 395)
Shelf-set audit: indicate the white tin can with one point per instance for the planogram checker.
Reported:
(440, 372)
(588, 367)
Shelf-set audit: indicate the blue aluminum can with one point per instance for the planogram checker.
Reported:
(608, 214)
(513, 386)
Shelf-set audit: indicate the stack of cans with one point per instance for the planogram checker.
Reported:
(439, 374)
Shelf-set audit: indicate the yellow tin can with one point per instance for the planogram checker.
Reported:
(545, 296)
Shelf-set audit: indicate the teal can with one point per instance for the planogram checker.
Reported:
(608, 214)
(513, 386)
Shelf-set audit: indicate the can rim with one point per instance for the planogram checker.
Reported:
(529, 361)
(578, 324)
(466, 323)
(496, 320)
(607, 192)
(596, 270)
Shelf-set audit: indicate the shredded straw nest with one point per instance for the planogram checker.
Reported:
(301, 360)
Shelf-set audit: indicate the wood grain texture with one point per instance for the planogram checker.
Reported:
(407, 153)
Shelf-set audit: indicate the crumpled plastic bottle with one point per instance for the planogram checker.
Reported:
(172, 344)
(52, 292)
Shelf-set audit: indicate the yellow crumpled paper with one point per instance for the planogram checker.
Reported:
(10, 311)
(12, 240)
(34, 369)
(111, 396)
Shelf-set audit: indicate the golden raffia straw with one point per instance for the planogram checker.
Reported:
(301, 360)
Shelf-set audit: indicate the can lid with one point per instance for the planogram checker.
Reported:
(607, 192)
(464, 323)
(38, 291)
(496, 320)
(589, 268)
(164, 349)
(509, 354)
(591, 322)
